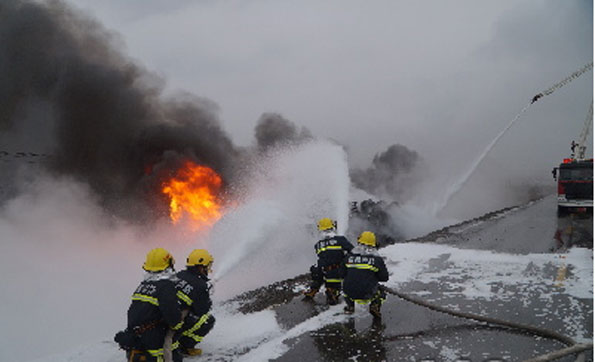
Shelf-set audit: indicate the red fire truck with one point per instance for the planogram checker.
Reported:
(575, 186)
(575, 176)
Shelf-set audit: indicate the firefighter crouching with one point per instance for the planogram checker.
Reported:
(331, 251)
(193, 290)
(153, 311)
(362, 271)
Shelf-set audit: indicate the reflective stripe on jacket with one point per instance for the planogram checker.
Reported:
(332, 250)
(362, 272)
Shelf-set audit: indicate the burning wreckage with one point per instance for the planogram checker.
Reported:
(374, 216)
(100, 119)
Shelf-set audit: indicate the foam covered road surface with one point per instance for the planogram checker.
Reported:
(524, 265)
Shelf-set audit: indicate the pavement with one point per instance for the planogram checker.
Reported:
(410, 332)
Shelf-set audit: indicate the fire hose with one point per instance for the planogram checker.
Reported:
(168, 342)
(573, 346)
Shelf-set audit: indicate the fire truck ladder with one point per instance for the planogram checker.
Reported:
(582, 147)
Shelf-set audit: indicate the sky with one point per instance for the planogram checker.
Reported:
(435, 76)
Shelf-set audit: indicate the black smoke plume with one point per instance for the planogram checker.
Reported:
(391, 174)
(67, 88)
(272, 130)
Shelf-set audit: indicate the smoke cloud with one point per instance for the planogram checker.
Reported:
(391, 175)
(68, 90)
(273, 130)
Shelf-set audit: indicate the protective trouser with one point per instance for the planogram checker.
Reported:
(378, 297)
(329, 276)
(145, 343)
(195, 328)
(317, 277)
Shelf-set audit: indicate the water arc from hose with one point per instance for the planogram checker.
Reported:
(458, 185)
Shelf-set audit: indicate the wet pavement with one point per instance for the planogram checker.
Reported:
(533, 228)
(409, 332)
(509, 264)
(412, 333)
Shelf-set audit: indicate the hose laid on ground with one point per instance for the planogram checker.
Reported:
(577, 348)
(573, 348)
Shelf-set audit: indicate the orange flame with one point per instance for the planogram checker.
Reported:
(193, 192)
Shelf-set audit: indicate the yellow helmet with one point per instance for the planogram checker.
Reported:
(367, 238)
(326, 224)
(199, 257)
(158, 259)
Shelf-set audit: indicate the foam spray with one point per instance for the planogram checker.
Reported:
(271, 234)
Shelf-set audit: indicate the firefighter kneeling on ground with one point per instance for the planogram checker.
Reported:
(154, 310)
(362, 271)
(194, 289)
(331, 251)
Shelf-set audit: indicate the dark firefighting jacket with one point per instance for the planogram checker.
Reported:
(332, 250)
(154, 309)
(361, 271)
(193, 291)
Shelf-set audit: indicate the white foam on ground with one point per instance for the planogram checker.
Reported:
(276, 347)
(235, 333)
(411, 261)
(514, 277)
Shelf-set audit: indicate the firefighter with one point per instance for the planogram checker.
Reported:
(362, 270)
(331, 251)
(154, 310)
(536, 98)
(194, 290)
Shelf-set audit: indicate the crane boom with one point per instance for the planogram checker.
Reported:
(582, 147)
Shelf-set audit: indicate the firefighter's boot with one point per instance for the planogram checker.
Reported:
(332, 296)
(310, 293)
(375, 309)
(192, 351)
(136, 355)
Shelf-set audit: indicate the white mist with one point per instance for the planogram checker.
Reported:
(270, 236)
